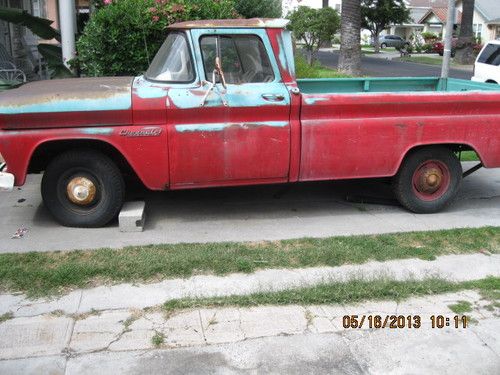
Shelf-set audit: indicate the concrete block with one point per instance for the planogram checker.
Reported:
(221, 326)
(38, 336)
(183, 329)
(132, 217)
(273, 321)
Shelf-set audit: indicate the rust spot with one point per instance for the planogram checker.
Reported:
(66, 89)
(232, 23)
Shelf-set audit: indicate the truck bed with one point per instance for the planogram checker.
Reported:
(372, 85)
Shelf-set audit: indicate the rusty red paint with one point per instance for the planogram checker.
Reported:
(252, 23)
(308, 137)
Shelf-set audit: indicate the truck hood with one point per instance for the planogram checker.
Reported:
(68, 103)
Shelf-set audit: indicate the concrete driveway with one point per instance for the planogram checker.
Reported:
(248, 214)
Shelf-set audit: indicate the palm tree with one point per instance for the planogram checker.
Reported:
(465, 51)
(350, 45)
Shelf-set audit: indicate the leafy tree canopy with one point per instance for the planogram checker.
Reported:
(259, 8)
(314, 27)
(377, 15)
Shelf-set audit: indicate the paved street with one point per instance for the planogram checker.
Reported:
(377, 67)
(249, 214)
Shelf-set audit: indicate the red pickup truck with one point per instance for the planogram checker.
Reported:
(220, 106)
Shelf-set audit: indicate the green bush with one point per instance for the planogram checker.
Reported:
(259, 8)
(122, 38)
(427, 48)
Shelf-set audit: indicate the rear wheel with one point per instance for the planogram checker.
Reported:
(83, 189)
(383, 45)
(428, 180)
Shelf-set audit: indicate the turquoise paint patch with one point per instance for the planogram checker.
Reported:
(312, 101)
(246, 95)
(148, 90)
(220, 127)
(112, 103)
(97, 131)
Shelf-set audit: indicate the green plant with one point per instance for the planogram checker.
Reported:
(428, 36)
(158, 339)
(314, 27)
(427, 48)
(259, 8)
(42, 28)
(122, 38)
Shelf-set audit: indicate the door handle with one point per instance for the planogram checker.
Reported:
(273, 97)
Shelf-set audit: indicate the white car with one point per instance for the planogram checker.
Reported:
(487, 66)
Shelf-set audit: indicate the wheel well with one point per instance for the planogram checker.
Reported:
(47, 151)
(491, 81)
(454, 147)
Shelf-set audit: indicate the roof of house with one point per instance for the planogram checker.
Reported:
(441, 14)
(428, 3)
(489, 9)
(416, 14)
(276, 23)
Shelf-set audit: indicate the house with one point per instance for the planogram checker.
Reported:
(486, 21)
(20, 43)
(430, 16)
(435, 20)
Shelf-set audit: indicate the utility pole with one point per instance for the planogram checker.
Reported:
(67, 17)
(450, 22)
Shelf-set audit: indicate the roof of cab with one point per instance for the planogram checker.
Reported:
(254, 23)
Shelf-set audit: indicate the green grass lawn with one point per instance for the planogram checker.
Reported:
(40, 274)
(469, 156)
(341, 293)
(304, 70)
(429, 60)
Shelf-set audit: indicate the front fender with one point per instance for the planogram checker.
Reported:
(143, 147)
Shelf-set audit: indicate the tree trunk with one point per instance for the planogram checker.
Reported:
(350, 46)
(310, 57)
(376, 43)
(464, 48)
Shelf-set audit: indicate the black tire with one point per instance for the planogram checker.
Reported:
(383, 45)
(95, 167)
(417, 198)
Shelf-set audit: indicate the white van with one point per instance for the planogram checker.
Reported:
(487, 66)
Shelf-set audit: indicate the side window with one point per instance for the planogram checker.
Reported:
(243, 58)
(490, 55)
(173, 61)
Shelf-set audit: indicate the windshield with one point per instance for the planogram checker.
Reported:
(173, 61)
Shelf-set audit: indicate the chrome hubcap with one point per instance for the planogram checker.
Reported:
(81, 191)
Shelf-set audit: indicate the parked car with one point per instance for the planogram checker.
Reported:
(220, 106)
(487, 66)
(391, 41)
(438, 47)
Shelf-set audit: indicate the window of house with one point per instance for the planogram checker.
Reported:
(243, 58)
(477, 29)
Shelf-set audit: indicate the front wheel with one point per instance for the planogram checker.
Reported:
(428, 180)
(83, 188)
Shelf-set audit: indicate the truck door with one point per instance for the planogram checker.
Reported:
(237, 134)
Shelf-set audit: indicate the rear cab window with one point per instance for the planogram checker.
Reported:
(490, 55)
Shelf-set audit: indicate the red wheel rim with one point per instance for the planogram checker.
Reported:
(431, 180)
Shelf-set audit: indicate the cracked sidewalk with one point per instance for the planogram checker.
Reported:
(70, 344)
